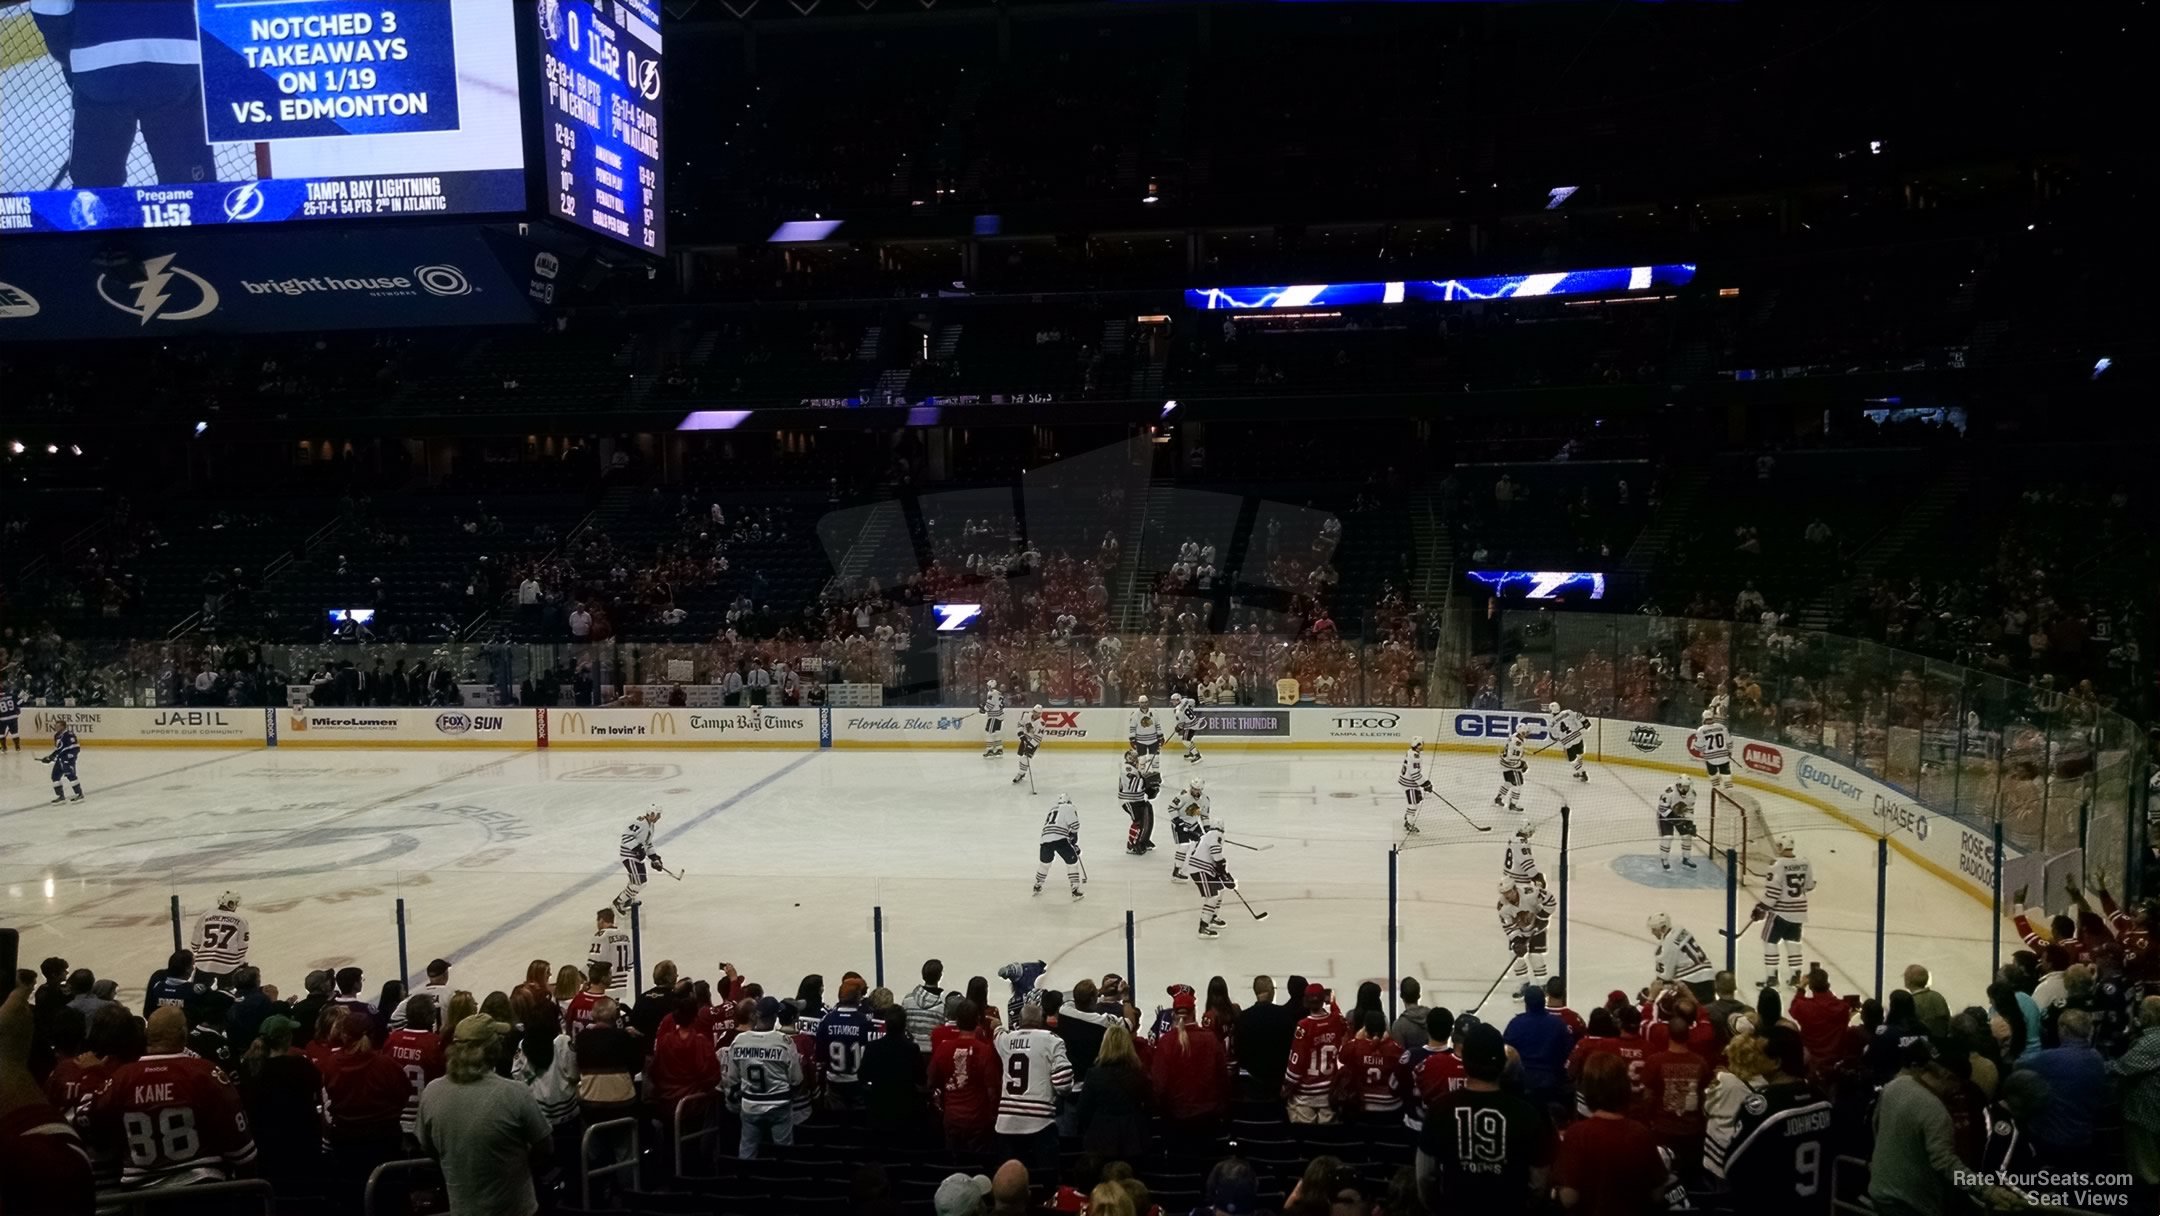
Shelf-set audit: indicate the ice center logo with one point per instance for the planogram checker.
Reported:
(154, 296)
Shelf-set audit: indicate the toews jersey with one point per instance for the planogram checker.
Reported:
(1062, 825)
(1521, 864)
(1569, 727)
(1680, 957)
(1770, 1143)
(1315, 1055)
(1714, 742)
(1036, 1070)
(1511, 756)
(636, 840)
(1412, 775)
(1785, 892)
(221, 942)
(178, 1119)
(420, 1054)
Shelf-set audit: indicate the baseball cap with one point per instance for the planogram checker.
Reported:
(960, 1195)
(476, 1028)
(1483, 1049)
(768, 1009)
(1183, 1000)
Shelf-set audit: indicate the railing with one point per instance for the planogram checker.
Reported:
(381, 1174)
(633, 1164)
(236, 1198)
(709, 1129)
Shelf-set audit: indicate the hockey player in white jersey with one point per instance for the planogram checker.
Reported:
(1151, 775)
(1512, 769)
(1188, 818)
(221, 940)
(1676, 817)
(1030, 735)
(1211, 874)
(612, 946)
(993, 712)
(1714, 741)
(1143, 730)
(1784, 910)
(1060, 838)
(1544, 905)
(1679, 959)
(637, 853)
(1569, 727)
(1185, 720)
(1133, 796)
(1520, 863)
(1518, 922)
(1415, 784)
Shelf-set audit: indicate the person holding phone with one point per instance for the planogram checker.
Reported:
(1823, 1017)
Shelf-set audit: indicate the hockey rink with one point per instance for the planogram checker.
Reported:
(790, 858)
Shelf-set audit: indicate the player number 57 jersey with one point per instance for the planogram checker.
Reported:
(1785, 892)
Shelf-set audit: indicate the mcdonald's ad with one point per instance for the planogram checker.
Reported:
(750, 726)
(364, 727)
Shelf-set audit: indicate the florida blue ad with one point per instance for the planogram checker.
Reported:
(314, 68)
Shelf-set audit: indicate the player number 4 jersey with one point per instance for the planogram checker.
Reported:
(1785, 892)
(1672, 804)
(1569, 727)
(636, 839)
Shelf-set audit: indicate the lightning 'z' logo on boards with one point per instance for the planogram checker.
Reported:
(165, 293)
(954, 617)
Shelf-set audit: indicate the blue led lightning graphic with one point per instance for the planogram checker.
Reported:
(954, 617)
(1542, 584)
(1265, 297)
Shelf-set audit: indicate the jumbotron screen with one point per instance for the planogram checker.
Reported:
(118, 114)
(599, 112)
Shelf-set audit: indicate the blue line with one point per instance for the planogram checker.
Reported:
(521, 920)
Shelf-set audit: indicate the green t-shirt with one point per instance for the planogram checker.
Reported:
(482, 1132)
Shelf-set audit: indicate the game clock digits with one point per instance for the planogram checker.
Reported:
(600, 143)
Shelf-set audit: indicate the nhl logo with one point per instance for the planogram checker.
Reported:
(1645, 738)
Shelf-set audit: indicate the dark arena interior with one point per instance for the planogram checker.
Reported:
(603, 601)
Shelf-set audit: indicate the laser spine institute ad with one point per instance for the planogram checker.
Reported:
(299, 109)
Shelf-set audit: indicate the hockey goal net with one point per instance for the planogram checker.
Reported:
(1737, 823)
(37, 118)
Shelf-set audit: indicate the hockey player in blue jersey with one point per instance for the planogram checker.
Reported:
(62, 758)
(10, 716)
(130, 64)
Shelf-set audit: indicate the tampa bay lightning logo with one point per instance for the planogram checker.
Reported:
(1542, 584)
(244, 202)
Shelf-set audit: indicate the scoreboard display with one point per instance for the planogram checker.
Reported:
(599, 111)
(119, 114)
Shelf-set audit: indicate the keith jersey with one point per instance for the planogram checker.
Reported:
(1569, 727)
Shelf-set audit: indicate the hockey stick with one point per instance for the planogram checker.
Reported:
(1512, 960)
(1248, 907)
(1031, 778)
(1734, 934)
(1239, 844)
(1458, 810)
(1083, 870)
(674, 874)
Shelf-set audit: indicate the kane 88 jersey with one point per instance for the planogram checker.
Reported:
(178, 1119)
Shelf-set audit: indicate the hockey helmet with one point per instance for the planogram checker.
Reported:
(1552, 707)
(1143, 700)
(1522, 730)
(1709, 716)
(1683, 784)
(1198, 785)
(1064, 800)
(1507, 889)
(652, 812)
(1525, 831)
(990, 684)
(1659, 924)
(1417, 743)
(228, 901)
(1785, 846)
(1132, 757)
